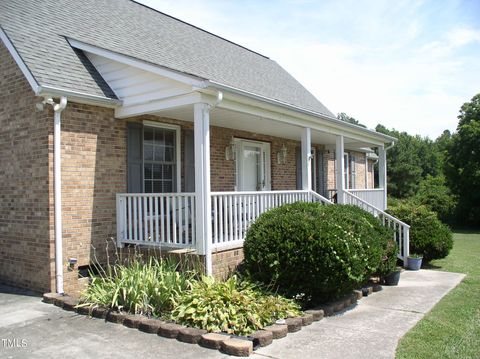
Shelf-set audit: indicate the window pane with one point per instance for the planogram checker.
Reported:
(148, 171)
(169, 154)
(157, 172)
(169, 138)
(159, 153)
(148, 135)
(157, 187)
(159, 141)
(148, 153)
(168, 172)
(167, 186)
(148, 186)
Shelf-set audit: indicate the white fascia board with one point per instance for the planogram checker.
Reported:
(163, 104)
(19, 61)
(316, 115)
(143, 65)
(298, 119)
(76, 96)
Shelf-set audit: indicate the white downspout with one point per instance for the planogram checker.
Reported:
(57, 177)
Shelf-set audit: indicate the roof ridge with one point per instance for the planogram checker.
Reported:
(199, 28)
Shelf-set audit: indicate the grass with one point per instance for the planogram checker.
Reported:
(452, 328)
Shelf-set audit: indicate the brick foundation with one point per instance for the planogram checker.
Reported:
(226, 261)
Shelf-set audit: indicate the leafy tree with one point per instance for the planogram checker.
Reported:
(436, 196)
(462, 162)
(411, 160)
(342, 116)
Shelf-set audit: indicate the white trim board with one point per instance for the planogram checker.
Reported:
(143, 65)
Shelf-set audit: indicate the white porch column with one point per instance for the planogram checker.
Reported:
(306, 159)
(382, 173)
(203, 220)
(340, 179)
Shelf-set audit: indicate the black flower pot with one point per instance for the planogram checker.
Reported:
(392, 278)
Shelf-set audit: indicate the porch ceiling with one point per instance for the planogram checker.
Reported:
(246, 122)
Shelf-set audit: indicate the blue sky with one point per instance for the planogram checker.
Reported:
(408, 65)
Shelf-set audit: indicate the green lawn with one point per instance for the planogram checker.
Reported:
(452, 328)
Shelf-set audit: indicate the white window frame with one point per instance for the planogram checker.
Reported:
(178, 150)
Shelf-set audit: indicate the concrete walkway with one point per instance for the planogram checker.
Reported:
(371, 330)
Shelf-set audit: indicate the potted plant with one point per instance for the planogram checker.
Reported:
(414, 261)
(394, 277)
(388, 269)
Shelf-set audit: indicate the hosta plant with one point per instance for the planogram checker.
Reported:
(230, 306)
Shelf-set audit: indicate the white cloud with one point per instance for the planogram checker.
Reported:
(401, 64)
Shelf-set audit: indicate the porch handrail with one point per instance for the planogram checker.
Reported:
(316, 197)
(234, 212)
(156, 219)
(365, 189)
(401, 229)
(374, 196)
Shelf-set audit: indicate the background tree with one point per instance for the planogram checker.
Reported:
(342, 116)
(462, 162)
(410, 161)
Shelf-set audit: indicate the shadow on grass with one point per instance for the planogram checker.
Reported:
(430, 266)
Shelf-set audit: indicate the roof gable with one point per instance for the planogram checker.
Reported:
(125, 27)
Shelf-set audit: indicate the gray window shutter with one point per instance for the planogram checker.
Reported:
(320, 171)
(134, 157)
(189, 162)
(298, 163)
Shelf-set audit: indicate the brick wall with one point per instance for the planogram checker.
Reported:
(25, 249)
(225, 262)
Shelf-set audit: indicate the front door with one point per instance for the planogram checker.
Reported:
(252, 165)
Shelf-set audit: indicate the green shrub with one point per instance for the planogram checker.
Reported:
(142, 287)
(428, 236)
(314, 252)
(389, 259)
(436, 196)
(232, 306)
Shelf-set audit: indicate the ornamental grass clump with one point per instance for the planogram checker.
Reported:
(314, 252)
(230, 306)
(148, 287)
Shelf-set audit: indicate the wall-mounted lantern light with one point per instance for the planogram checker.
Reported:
(282, 155)
(230, 151)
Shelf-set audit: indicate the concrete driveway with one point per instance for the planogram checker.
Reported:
(32, 329)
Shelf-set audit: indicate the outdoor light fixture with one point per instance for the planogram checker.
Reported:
(282, 155)
(230, 151)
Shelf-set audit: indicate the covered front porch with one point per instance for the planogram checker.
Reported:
(231, 166)
(205, 159)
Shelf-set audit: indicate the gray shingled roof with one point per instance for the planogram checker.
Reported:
(38, 28)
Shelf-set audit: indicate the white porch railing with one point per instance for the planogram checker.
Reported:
(374, 196)
(234, 212)
(168, 219)
(401, 229)
(156, 219)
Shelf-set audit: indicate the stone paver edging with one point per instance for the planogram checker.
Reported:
(232, 345)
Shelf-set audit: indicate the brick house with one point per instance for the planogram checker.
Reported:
(119, 121)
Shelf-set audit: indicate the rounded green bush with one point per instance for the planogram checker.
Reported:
(428, 235)
(314, 252)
